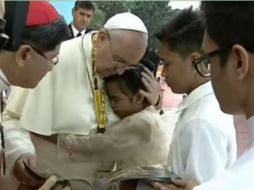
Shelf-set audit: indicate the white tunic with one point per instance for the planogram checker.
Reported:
(204, 141)
(240, 175)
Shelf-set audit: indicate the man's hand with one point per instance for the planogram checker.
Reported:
(23, 174)
(153, 89)
(176, 184)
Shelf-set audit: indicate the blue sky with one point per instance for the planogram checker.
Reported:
(64, 8)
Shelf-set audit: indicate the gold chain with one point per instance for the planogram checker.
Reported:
(98, 96)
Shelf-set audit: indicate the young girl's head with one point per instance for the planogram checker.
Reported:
(124, 90)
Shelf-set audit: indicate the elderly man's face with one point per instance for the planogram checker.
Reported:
(118, 50)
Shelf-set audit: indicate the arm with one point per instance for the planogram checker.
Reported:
(19, 147)
(18, 141)
(119, 142)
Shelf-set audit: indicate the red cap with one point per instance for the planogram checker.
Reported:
(40, 13)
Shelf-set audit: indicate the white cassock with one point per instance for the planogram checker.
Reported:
(204, 141)
(240, 175)
(61, 103)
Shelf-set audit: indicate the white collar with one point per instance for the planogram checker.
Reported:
(195, 95)
(250, 122)
(4, 83)
(75, 31)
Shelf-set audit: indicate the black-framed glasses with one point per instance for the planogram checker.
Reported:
(2, 153)
(203, 63)
(54, 61)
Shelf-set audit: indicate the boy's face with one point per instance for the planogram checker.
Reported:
(178, 72)
(122, 104)
(228, 87)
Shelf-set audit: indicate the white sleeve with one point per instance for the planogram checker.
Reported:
(119, 142)
(17, 140)
(204, 148)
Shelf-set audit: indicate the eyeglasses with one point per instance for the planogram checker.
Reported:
(203, 63)
(54, 61)
(116, 59)
(2, 153)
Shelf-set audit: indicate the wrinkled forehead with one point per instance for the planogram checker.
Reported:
(129, 45)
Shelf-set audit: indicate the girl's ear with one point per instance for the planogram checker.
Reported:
(138, 98)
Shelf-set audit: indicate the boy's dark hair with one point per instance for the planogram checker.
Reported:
(130, 80)
(46, 37)
(230, 22)
(184, 33)
(89, 5)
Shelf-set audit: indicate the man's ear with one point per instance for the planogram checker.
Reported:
(193, 56)
(240, 62)
(101, 38)
(23, 54)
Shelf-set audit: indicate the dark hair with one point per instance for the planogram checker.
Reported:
(230, 22)
(130, 80)
(183, 33)
(151, 60)
(90, 5)
(46, 37)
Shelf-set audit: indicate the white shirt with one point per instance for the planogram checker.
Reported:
(75, 31)
(204, 141)
(4, 83)
(240, 175)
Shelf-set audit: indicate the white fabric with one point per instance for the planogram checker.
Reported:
(239, 176)
(203, 143)
(75, 31)
(3, 85)
(126, 21)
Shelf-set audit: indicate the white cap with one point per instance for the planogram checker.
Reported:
(126, 21)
